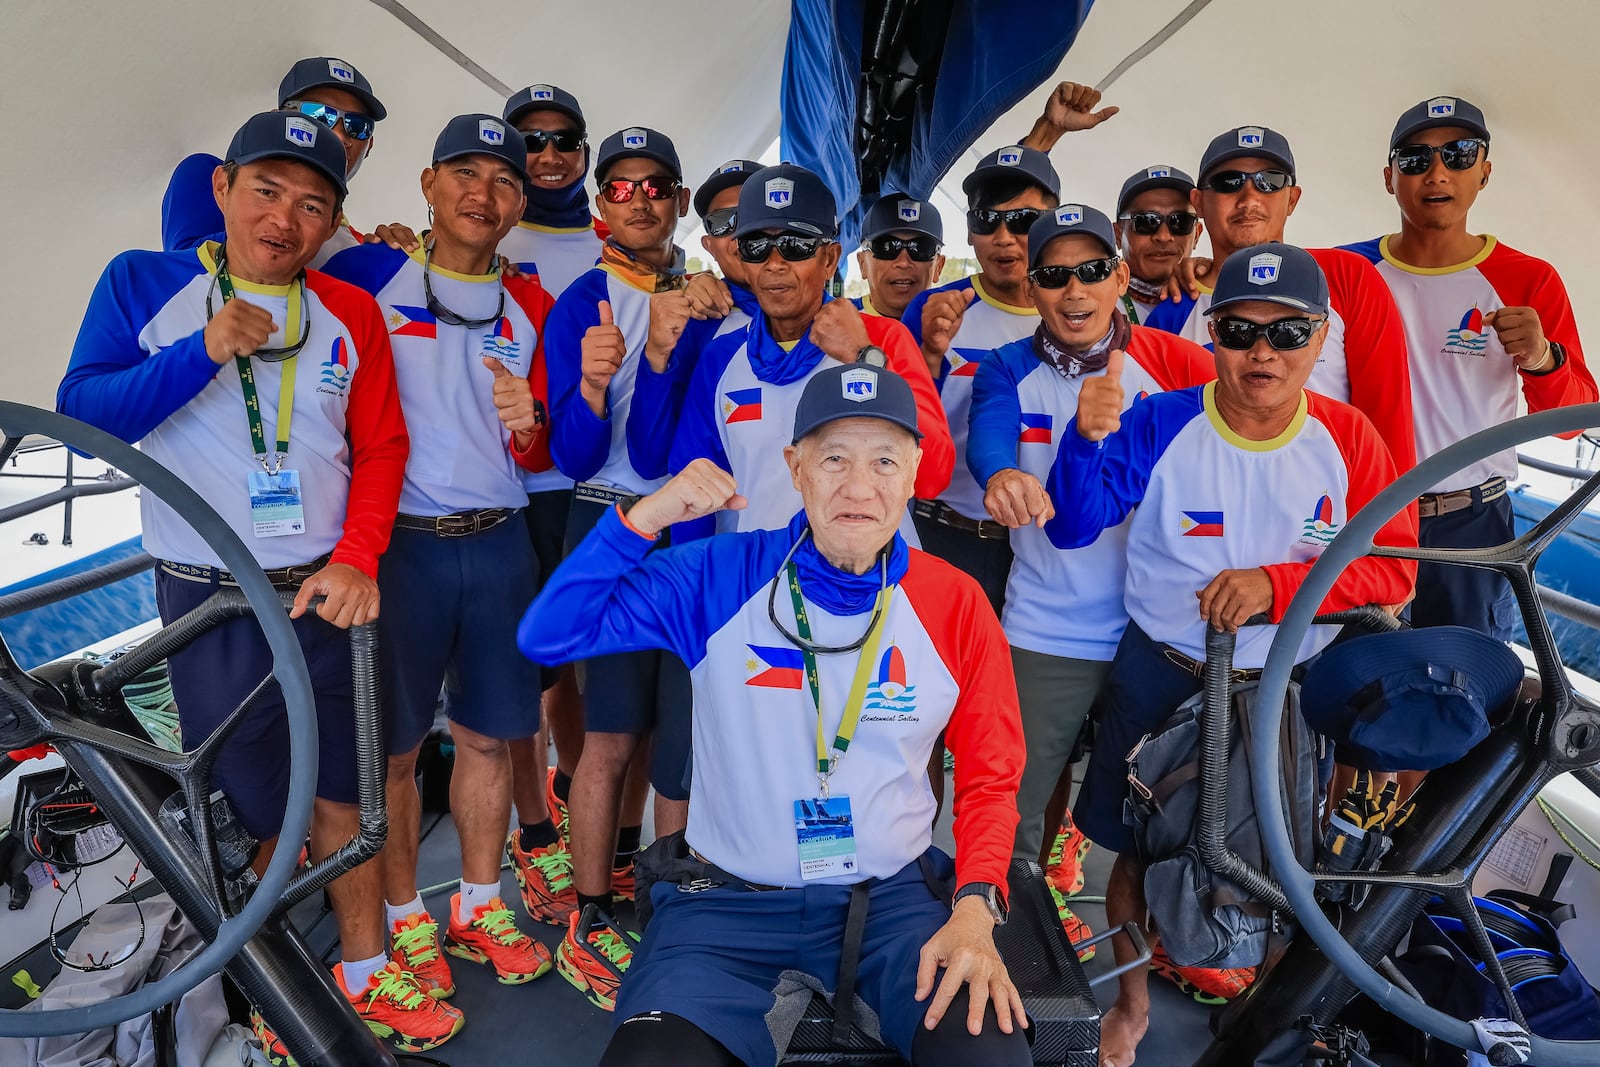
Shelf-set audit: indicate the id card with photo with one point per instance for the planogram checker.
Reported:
(827, 836)
(276, 507)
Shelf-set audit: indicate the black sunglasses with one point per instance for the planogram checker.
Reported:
(1146, 223)
(792, 247)
(986, 220)
(920, 249)
(1266, 181)
(564, 140)
(620, 190)
(357, 125)
(1285, 335)
(443, 313)
(1415, 159)
(1057, 276)
(721, 222)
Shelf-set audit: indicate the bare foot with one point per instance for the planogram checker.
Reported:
(1121, 1030)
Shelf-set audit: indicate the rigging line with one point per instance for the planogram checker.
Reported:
(448, 50)
(1179, 21)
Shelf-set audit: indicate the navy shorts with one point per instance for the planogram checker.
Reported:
(716, 957)
(547, 533)
(449, 619)
(1142, 691)
(987, 560)
(215, 672)
(1448, 595)
(638, 692)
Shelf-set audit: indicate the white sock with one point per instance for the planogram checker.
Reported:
(472, 896)
(397, 913)
(356, 972)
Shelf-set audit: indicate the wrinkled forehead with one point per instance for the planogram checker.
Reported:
(859, 435)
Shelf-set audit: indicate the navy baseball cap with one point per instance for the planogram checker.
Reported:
(1440, 111)
(286, 135)
(1244, 141)
(855, 391)
(1157, 176)
(638, 142)
(327, 72)
(1274, 272)
(539, 98)
(1411, 700)
(730, 175)
(895, 213)
(1014, 161)
(787, 197)
(482, 135)
(1064, 221)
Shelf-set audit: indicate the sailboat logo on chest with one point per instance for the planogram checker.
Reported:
(889, 695)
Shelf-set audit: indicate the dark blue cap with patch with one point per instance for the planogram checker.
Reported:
(540, 98)
(787, 197)
(328, 72)
(482, 135)
(855, 391)
(638, 142)
(1014, 161)
(894, 213)
(1243, 141)
(1156, 176)
(1411, 700)
(1275, 273)
(1064, 221)
(730, 175)
(1440, 111)
(287, 135)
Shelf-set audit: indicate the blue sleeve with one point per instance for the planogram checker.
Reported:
(609, 596)
(1095, 484)
(1169, 317)
(112, 382)
(1371, 251)
(995, 416)
(367, 267)
(580, 440)
(911, 317)
(189, 211)
(658, 399)
(699, 435)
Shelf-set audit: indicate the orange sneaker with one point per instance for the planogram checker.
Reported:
(416, 949)
(1077, 930)
(558, 809)
(492, 937)
(621, 882)
(276, 1053)
(545, 875)
(394, 1007)
(1207, 985)
(595, 961)
(1066, 858)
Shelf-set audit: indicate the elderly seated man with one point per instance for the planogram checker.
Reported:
(827, 657)
(1235, 487)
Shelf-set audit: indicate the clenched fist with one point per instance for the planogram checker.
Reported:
(941, 321)
(237, 330)
(702, 488)
(839, 330)
(669, 314)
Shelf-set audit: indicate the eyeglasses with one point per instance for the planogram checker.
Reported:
(1266, 181)
(986, 220)
(564, 140)
(444, 314)
(221, 280)
(357, 125)
(792, 247)
(1415, 159)
(920, 249)
(1146, 223)
(1285, 335)
(1057, 276)
(721, 222)
(620, 190)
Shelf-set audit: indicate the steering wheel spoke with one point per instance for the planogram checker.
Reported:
(1461, 905)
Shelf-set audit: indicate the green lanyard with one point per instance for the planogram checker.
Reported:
(828, 758)
(1129, 310)
(252, 402)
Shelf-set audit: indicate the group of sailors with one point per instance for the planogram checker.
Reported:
(1119, 442)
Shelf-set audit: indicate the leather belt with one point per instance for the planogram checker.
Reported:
(461, 524)
(1430, 505)
(945, 515)
(1197, 667)
(714, 872)
(602, 494)
(288, 578)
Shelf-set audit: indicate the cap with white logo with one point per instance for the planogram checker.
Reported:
(730, 175)
(1065, 221)
(1439, 111)
(789, 198)
(1275, 273)
(894, 213)
(1014, 161)
(637, 142)
(285, 135)
(855, 390)
(482, 135)
(542, 98)
(1160, 176)
(329, 72)
(1243, 141)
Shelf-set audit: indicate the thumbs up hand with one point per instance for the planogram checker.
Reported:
(1100, 401)
(514, 403)
(602, 352)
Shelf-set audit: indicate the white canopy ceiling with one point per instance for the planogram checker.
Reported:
(99, 100)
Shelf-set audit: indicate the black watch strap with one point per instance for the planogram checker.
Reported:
(1558, 355)
(991, 896)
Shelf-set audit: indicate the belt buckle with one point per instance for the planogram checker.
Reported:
(697, 885)
(456, 525)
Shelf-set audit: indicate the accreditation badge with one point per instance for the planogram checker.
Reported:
(276, 507)
(827, 836)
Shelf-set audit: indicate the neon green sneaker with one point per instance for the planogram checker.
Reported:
(595, 960)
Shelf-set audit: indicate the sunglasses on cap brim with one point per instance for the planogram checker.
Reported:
(983, 221)
(721, 222)
(1265, 181)
(1148, 223)
(921, 249)
(1059, 276)
(564, 140)
(1415, 159)
(791, 246)
(620, 190)
(356, 125)
(1284, 335)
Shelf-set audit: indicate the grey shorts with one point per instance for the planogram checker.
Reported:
(1056, 694)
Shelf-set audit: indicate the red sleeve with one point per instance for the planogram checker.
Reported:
(1374, 349)
(905, 359)
(1368, 580)
(985, 729)
(536, 303)
(1174, 362)
(1524, 281)
(374, 426)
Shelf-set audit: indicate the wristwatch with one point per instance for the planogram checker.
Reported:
(1558, 359)
(872, 355)
(991, 897)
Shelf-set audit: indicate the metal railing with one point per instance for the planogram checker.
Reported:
(72, 488)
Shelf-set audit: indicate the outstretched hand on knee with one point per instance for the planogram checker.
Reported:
(965, 948)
